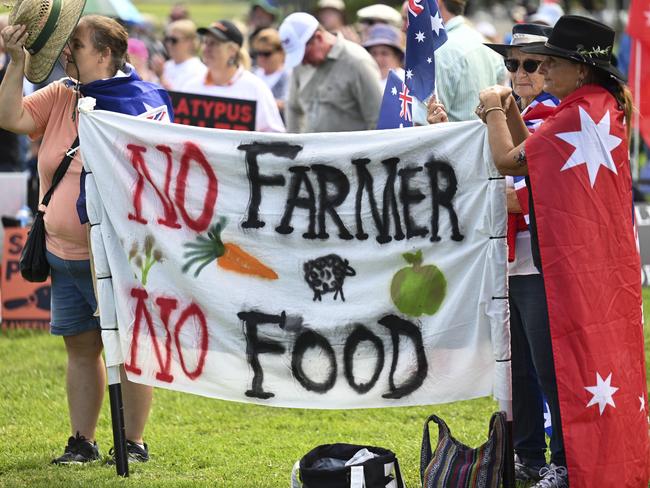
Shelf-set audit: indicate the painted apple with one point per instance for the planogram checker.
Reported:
(418, 289)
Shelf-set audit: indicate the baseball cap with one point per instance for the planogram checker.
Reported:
(295, 32)
(334, 4)
(224, 30)
(381, 12)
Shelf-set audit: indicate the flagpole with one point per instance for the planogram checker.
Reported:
(636, 139)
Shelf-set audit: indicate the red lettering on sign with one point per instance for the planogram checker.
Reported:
(193, 311)
(137, 160)
(182, 108)
(246, 115)
(166, 306)
(193, 153)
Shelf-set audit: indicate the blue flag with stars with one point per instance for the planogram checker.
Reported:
(424, 35)
(396, 109)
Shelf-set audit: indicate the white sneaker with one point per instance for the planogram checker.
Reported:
(553, 477)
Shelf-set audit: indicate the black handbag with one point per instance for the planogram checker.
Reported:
(324, 467)
(33, 261)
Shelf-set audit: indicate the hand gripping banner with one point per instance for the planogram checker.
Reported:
(334, 270)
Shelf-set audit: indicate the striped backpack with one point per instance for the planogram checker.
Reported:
(455, 465)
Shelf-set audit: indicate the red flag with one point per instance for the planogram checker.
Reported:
(640, 62)
(638, 25)
(582, 191)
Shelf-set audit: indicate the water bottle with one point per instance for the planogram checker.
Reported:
(25, 216)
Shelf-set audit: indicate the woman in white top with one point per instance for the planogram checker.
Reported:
(268, 52)
(227, 75)
(181, 43)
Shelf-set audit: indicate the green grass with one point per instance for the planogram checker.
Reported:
(201, 13)
(196, 441)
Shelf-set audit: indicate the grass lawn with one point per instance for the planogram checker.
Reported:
(202, 13)
(196, 441)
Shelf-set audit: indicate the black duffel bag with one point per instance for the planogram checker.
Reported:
(324, 467)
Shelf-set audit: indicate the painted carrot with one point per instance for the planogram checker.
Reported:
(228, 255)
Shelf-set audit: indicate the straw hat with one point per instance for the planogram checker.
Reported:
(49, 23)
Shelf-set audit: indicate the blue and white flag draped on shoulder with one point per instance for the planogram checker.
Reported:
(396, 109)
(424, 35)
(125, 93)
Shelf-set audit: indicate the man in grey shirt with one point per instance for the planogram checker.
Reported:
(334, 84)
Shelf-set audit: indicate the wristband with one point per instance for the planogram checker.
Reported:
(492, 109)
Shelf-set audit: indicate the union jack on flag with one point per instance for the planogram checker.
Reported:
(396, 105)
(424, 35)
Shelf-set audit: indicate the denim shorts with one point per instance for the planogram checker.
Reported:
(73, 297)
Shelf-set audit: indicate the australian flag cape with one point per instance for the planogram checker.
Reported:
(581, 185)
(125, 94)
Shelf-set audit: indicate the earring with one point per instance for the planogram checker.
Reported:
(579, 83)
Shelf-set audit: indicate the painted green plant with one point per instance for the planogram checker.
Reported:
(418, 289)
(145, 260)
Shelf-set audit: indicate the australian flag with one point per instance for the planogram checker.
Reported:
(397, 105)
(424, 35)
(126, 95)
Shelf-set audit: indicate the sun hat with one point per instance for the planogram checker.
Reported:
(333, 4)
(523, 34)
(384, 35)
(295, 32)
(380, 12)
(224, 30)
(266, 5)
(580, 39)
(548, 13)
(49, 24)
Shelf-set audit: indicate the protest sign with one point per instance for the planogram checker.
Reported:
(24, 304)
(213, 112)
(346, 270)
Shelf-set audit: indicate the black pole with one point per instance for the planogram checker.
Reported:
(509, 462)
(119, 436)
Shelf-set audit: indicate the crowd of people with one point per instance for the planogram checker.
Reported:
(307, 73)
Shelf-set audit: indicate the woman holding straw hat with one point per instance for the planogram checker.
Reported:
(95, 59)
(585, 250)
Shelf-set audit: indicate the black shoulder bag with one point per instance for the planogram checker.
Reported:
(33, 261)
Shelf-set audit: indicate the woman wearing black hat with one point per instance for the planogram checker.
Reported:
(528, 313)
(577, 69)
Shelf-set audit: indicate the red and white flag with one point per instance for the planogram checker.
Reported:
(582, 190)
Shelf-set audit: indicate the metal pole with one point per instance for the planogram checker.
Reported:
(117, 418)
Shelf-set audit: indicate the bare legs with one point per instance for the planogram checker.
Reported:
(86, 383)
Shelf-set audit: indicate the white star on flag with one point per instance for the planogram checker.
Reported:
(436, 23)
(602, 393)
(409, 74)
(429, 60)
(593, 145)
(393, 91)
(547, 419)
(420, 36)
(642, 400)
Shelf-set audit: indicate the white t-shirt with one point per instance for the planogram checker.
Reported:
(243, 86)
(176, 75)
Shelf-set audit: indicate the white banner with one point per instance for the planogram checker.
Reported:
(338, 270)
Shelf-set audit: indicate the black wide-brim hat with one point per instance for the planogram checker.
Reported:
(580, 39)
(523, 34)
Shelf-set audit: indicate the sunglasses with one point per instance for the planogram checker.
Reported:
(263, 54)
(529, 65)
(171, 40)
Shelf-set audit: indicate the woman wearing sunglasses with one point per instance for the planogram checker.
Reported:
(528, 313)
(582, 240)
(182, 44)
(269, 55)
